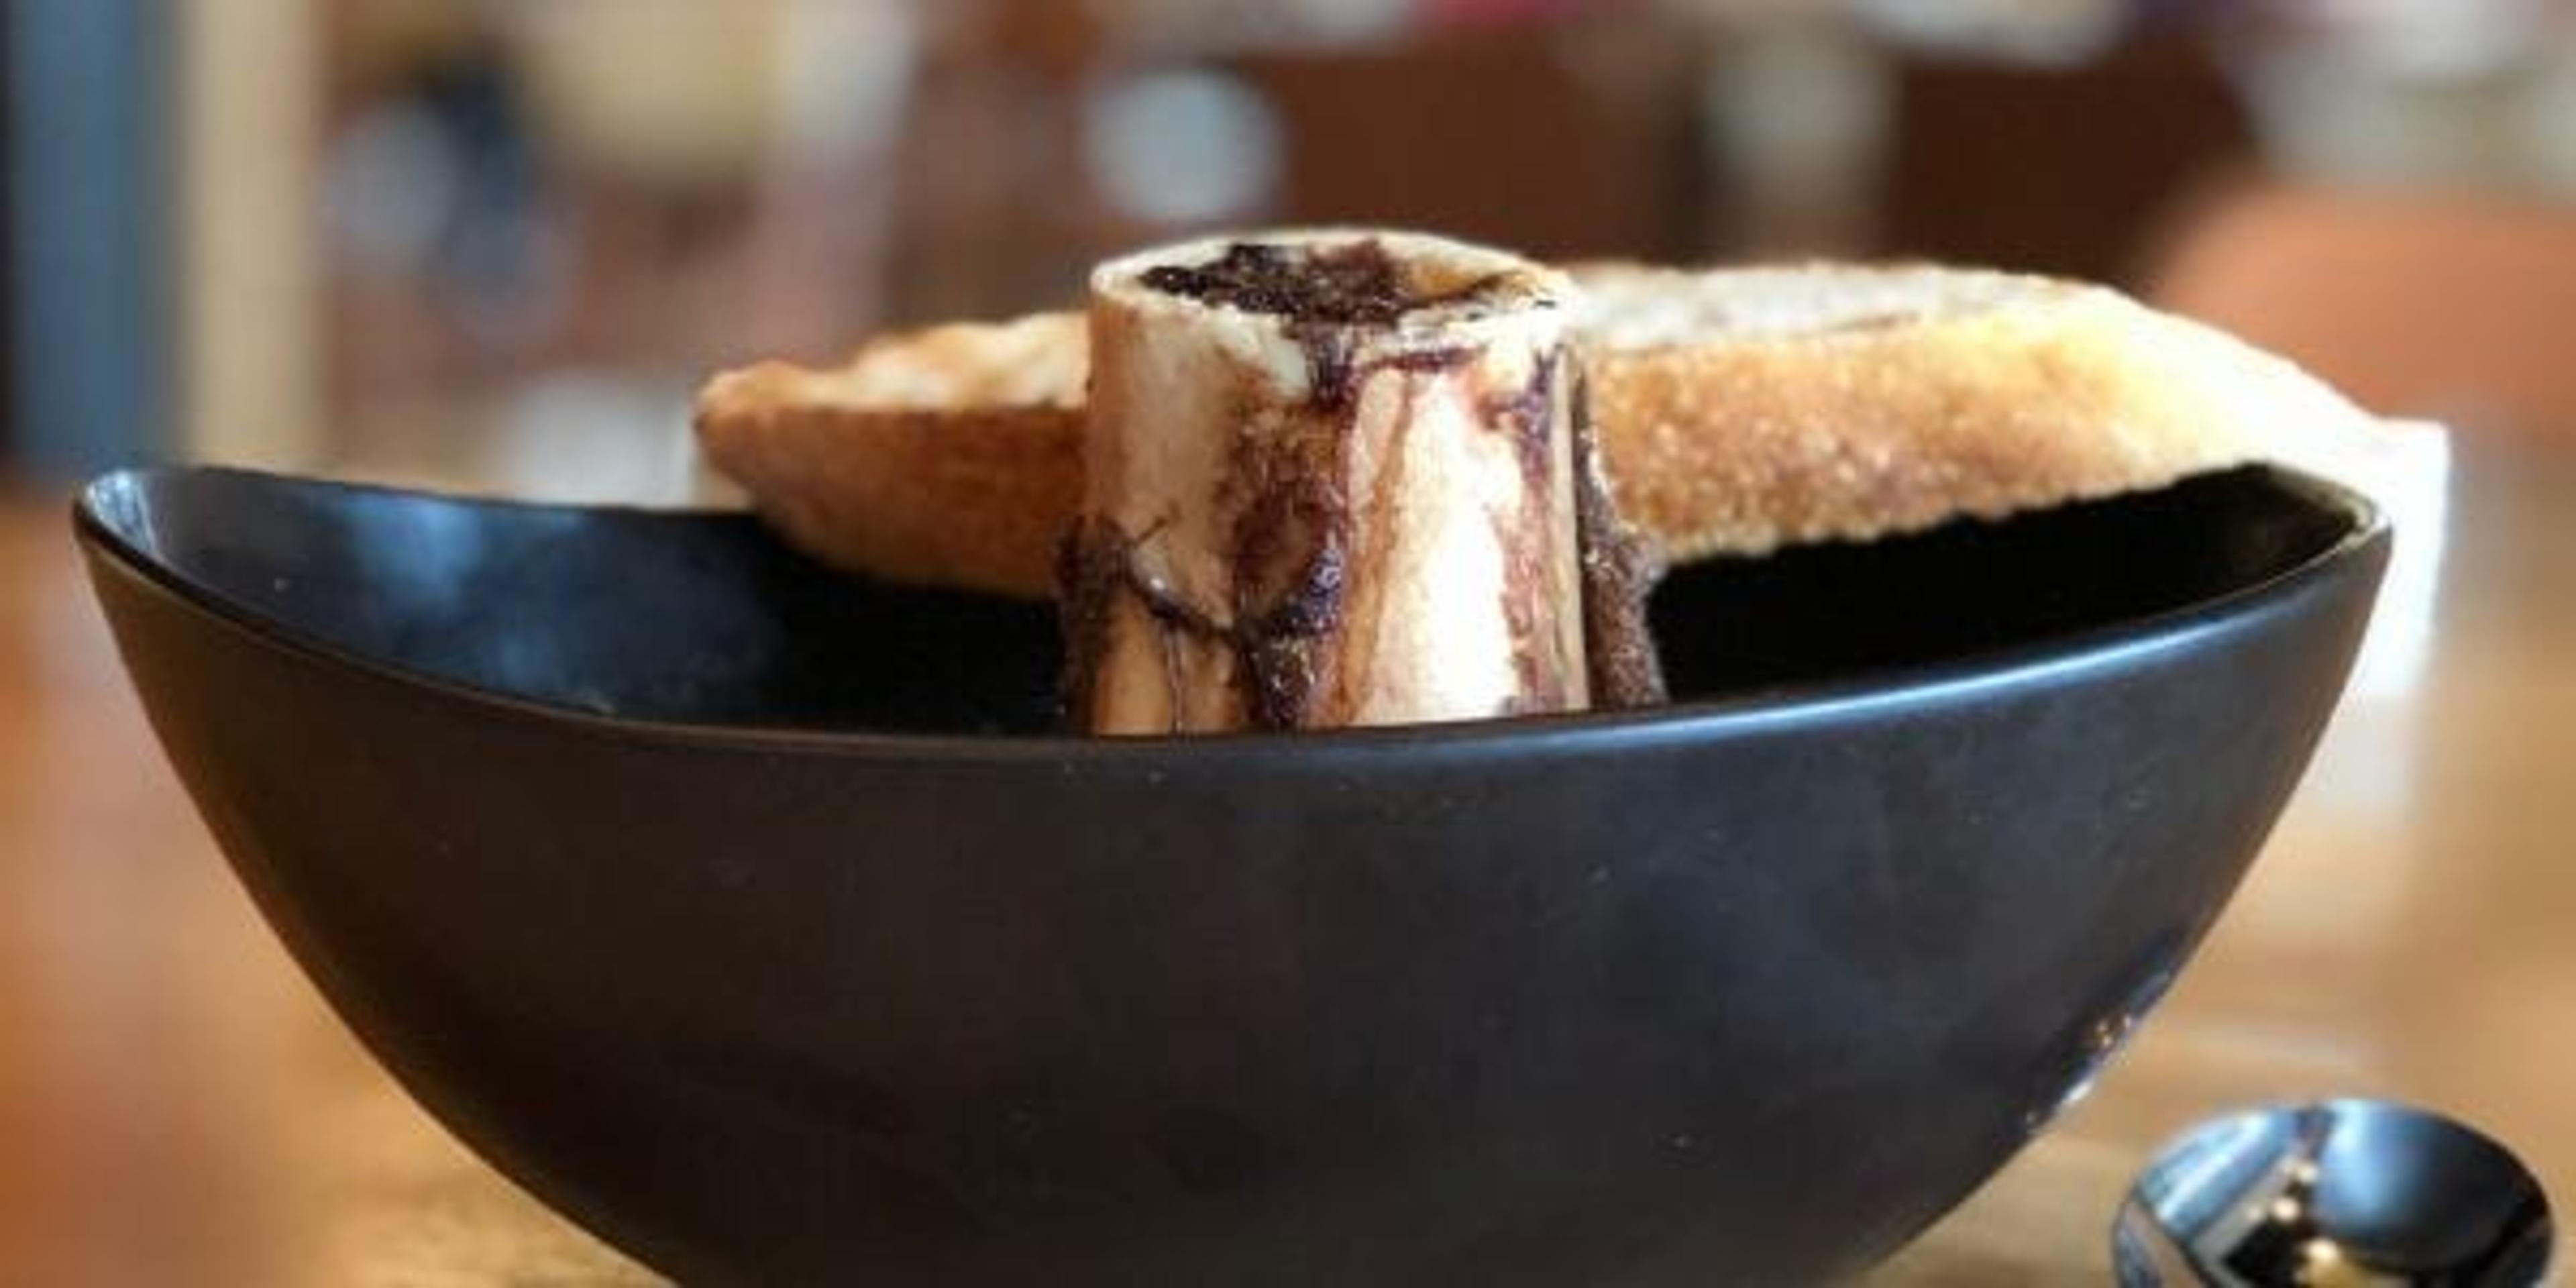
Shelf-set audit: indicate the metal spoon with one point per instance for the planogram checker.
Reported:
(2339, 1192)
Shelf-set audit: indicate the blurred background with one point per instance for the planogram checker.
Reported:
(500, 243)
(495, 246)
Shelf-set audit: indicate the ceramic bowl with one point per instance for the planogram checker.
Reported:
(752, 915)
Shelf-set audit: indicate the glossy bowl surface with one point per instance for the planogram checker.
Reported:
(749, 914)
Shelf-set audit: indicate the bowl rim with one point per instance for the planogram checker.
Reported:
(2056, 659)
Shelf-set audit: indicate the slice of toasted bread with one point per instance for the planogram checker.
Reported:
(948, 456)
(1745, 409)
(1739, 410)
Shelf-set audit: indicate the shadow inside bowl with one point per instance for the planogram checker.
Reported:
(707, 619)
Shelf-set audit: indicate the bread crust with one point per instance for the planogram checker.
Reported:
(2000, 393)
(974, 499)
(975, 494)
(1741, 445)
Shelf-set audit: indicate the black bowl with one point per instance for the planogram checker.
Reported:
(749, 914)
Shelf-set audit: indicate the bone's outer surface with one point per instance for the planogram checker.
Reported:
(1293, 522)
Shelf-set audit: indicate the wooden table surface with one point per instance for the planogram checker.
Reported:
(179, 1107)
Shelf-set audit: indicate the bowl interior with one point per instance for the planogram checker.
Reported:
(706, 619)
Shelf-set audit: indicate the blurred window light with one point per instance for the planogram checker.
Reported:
(2368, 768)
(390, 187)
(593, 436)
(2055, 32)
(1352, 19)
(1797, 106)
(506, 277)
(677, 93)
(1182, 145)
(1195, 24)
(845, 71)
(2431, 37)
(2548, 122)
(2407, 472)
(2490, 102)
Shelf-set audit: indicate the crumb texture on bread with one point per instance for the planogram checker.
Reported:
(1743, 410)
(1628, 307)
(1040, 360)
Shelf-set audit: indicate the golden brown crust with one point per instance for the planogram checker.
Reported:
(973, 496)
(1738, 444)
(1890, 399)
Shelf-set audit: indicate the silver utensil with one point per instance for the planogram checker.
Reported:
(2338, 1192)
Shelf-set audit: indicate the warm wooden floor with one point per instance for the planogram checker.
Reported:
(179, 1108)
